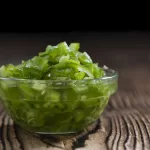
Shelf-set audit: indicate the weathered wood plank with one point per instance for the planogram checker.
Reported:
(2, 114)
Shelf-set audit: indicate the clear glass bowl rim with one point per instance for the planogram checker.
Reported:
(110, 74)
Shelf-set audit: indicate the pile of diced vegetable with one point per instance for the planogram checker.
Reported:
(60, 62)
(54, 95)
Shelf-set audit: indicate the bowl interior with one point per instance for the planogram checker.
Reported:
(57, 106)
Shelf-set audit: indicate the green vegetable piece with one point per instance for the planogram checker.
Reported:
(46, 53)
(86, 70)
(84, 58)
(38, 86)
(63, 48)
(74, 46)
(64, 58)
(68, 72)
(95, 70)
(52, 95)
(40, 63)
(27, 91)
(7, 71)
(79, 75)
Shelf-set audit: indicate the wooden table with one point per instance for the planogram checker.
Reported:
(124, 125)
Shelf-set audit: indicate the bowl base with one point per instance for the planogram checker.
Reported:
(67, 135)
(51, 133)
(64, 135)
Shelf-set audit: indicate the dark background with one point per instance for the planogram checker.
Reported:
(117, 49)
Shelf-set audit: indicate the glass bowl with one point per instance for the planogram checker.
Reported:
(57, 107)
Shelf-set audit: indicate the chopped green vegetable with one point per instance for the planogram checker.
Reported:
(57, 95)
(74, 46)
(84, 58)
(68, 59)
(79, 75)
